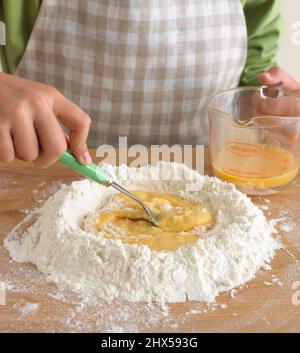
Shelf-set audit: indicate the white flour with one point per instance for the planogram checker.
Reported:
(229, 255)
(26, 308)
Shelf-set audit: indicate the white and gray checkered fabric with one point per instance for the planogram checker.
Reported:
(140, 68)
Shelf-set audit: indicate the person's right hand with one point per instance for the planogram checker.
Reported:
(29, 127)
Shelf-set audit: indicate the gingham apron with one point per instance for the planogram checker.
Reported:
(140, 68)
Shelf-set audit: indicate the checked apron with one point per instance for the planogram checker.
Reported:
(140, 68)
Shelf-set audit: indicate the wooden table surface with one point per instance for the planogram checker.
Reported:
(269, 303)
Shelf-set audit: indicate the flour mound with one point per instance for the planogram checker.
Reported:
(227, 256)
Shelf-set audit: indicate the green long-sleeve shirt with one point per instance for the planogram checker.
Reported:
(262, 18)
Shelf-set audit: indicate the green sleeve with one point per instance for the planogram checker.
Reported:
(264, 27)
(19, 17)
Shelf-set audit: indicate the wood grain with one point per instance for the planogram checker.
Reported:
(258, 306)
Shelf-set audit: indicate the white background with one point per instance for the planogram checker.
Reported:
(289, 53)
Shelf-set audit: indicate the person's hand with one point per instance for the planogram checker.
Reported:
(276, 75)
(285, 106)
(29, 126)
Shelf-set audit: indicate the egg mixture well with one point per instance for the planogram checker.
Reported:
(181, 221)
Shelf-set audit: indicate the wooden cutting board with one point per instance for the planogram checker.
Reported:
(267, 303)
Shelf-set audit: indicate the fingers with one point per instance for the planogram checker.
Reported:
(51, 139)
(285, 131)
(7, 152)
(285, 106)
(266, 78)
(78, 122)
(25, 141)
(276, 75)
(29, 127)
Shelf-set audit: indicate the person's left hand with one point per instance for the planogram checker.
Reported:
(275, 75)
(285, 106)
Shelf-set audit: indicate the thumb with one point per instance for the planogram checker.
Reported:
(78, 123)
(276, 75)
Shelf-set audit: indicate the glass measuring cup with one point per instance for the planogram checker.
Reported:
(255, 138)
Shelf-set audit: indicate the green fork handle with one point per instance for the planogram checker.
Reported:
(91, 170)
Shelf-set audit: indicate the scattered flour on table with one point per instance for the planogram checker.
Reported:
(285, 223)
(288, 225)
(264, 207)
(26, 308)
(239, 244)
(274, 281)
